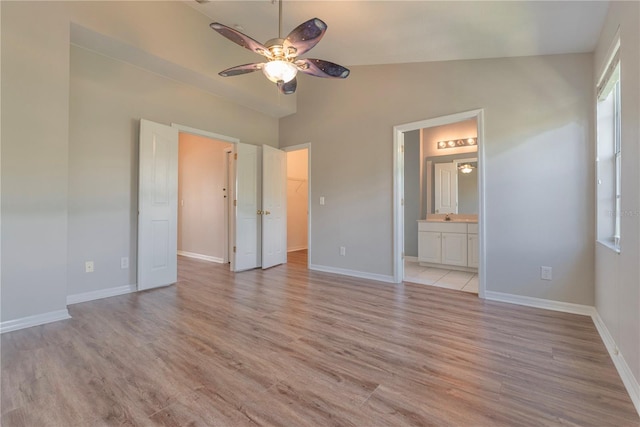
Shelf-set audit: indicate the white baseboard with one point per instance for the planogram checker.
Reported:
(411, 258)
(102, 293)
(629, 381)
(202, 257)
(565, 307)
(352, 273)
(297, 248)
(29, 321)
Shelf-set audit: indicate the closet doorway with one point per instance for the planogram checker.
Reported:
(298, 204)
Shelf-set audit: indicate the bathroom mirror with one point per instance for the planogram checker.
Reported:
(450, 184)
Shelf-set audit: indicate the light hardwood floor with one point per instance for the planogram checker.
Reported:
(290, 347)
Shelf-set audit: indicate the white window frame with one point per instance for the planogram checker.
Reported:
(609, 154)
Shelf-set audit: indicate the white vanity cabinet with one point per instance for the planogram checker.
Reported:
(454, 249)
(473, 248)
(430, 247)
(448, 244)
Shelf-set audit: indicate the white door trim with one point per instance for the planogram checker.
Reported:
(306, 146)
(398, 189)
(200, 132)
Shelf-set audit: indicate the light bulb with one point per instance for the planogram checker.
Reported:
(279, 71)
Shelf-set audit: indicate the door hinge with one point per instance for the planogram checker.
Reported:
(401, 202)
(234, 249)
(235, 203)
(235, 156)
(402, 148)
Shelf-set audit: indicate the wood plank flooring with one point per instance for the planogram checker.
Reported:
(291, 347)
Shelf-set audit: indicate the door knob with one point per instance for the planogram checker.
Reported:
(267, 213)
(259, 212)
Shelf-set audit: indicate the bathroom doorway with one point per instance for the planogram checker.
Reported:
(438, 202)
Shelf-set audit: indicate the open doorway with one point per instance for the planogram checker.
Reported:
(441, 206)
(202, 198)
(298, 219)
(435, 228)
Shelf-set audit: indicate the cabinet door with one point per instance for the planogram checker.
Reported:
(473, 250)
(454, 249)
(429, 247)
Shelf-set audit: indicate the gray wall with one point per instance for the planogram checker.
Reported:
(617, 292)
(411, 191)
(69, 132)
(538, 126)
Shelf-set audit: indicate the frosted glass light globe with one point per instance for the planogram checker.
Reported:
(279, 70)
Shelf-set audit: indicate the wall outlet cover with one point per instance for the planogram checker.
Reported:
(546, 273)
(88, 267)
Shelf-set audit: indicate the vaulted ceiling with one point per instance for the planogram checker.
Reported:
(366, 32)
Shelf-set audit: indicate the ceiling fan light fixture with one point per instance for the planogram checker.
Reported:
(281, 54)
(466, 168)
(280, 71)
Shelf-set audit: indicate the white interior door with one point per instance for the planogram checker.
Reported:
(248, 181)
(446, 188)
(157, 205)
(274, 207)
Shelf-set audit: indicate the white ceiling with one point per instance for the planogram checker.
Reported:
(382, 32)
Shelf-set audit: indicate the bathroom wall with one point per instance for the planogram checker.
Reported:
(412, 189)
(431, 136)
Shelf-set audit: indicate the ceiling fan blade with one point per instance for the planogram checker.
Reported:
(289, 87)
(241, 39)
(305, 36)
(322, 68)
(241, 69)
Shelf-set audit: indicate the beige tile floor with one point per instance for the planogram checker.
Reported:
(451, 279)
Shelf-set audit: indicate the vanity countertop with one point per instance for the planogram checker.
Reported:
(466, 221)
(464, 218)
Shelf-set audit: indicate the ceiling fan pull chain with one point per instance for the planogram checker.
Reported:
(279, 19)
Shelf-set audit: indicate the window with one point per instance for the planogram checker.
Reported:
(609, 155)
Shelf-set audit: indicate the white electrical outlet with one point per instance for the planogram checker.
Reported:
(322, 200)
(545, 273)
(124, 262)
(343, 251)
(88, 267)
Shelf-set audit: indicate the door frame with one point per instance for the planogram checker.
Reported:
(398, 189)
(298, 147)
(229, 225)
(228, 160)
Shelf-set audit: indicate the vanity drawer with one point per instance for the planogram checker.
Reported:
(443, 227)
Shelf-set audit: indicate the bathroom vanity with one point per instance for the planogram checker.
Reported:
(448, 244)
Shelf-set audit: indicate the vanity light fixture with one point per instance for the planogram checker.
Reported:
(453, 143)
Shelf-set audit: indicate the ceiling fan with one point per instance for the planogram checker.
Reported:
(282, 54)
